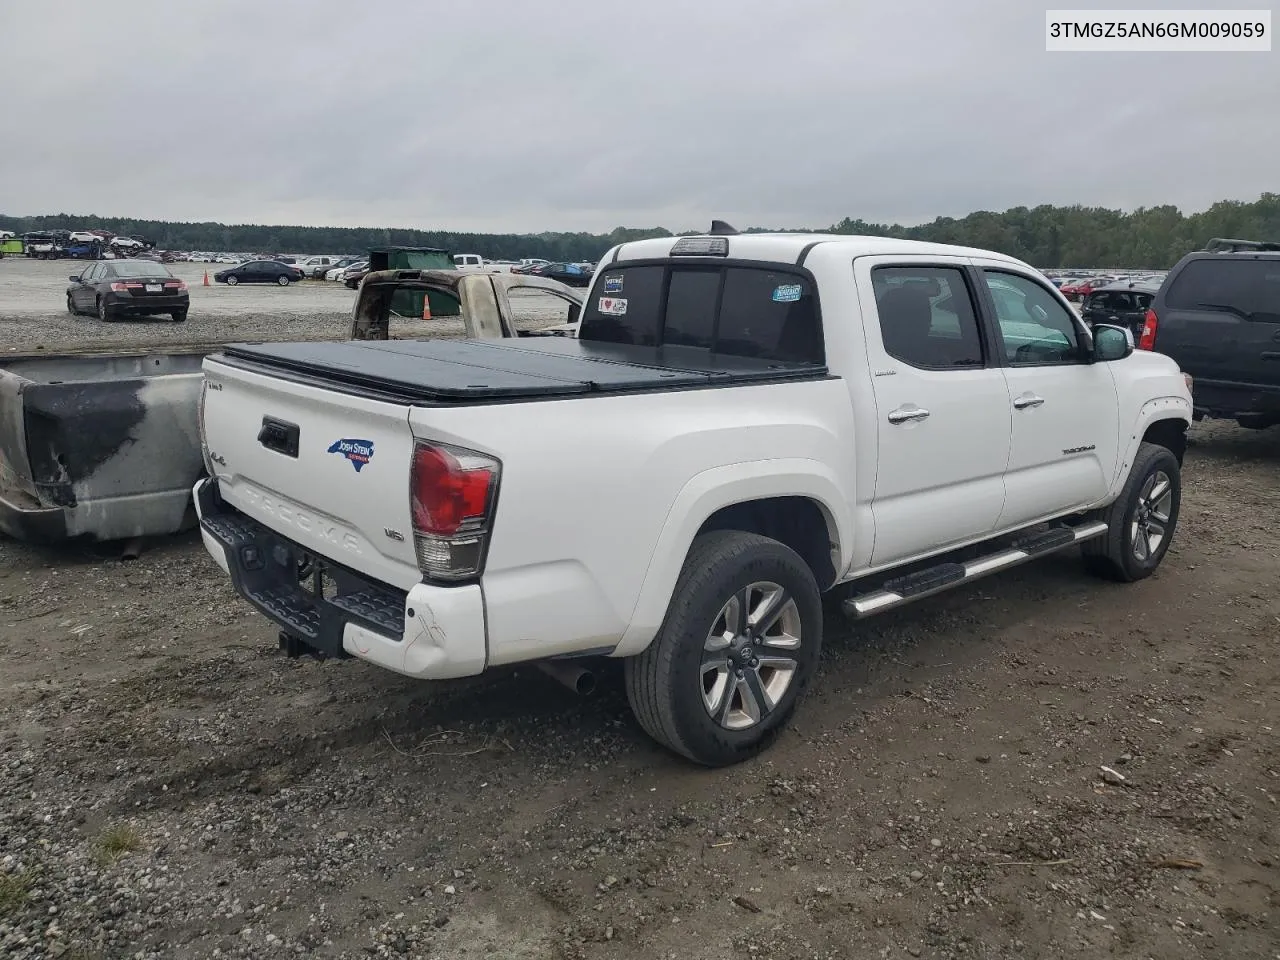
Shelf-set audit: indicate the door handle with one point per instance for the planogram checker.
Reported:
(1031, 400)
(907, 414)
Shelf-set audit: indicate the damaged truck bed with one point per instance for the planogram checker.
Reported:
(106, 446)
(98, 445)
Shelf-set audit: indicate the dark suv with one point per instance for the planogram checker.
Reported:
(1218, 315)
(1123, 304)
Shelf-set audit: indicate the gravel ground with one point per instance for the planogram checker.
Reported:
(1040, 766)
(33, 313)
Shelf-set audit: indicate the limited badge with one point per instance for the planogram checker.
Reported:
(613, 306)
(787, 293)
(612, 284)
(359, 452)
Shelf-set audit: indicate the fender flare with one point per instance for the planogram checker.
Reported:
(1171, 407)
(703, 495)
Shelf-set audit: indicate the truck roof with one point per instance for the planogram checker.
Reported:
(790, 247)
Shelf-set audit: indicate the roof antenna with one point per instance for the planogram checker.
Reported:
(721, 229)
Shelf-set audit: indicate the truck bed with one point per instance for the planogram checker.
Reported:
(441, 372)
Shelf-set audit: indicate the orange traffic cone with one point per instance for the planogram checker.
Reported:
(426, 307)
(206, 278)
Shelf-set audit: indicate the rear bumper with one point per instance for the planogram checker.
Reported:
(428, 632)
(25, 519)
(1227, 400)
(124, 303)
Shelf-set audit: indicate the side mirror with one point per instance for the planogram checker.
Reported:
(1111, 343)
(75, 278)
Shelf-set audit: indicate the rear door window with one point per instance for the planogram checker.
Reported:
(733, 310)
(1246, 288)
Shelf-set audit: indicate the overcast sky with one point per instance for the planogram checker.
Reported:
(510, 115)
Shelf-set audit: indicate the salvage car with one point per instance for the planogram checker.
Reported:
(746, 421)
(1123, 304)
(260, 271)
(111, 289)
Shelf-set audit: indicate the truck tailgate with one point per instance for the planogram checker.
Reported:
(329, 471)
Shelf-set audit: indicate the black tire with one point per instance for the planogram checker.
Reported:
(71, 306)
(283, 280)
(179, 316)
(666, 684)
(1117, 555)
(232, 280)
(104, 314)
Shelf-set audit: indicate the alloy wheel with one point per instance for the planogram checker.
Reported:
(1151, 516)
(749, 655)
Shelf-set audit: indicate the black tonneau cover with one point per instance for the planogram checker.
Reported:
(429, 372)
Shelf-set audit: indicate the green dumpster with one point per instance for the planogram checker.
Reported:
(408, 303)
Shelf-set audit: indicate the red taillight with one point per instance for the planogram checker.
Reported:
(119, 287)
(451, 496)
(1147, 339)
(176, 284)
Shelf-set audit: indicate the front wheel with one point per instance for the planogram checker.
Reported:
(282, 280)
(232, 280)
(1142, 519)
(71, 306)
(738, 646)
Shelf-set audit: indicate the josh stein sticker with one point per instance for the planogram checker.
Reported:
(613, 306)
(359, 452)
(612, 284)
(787, 293)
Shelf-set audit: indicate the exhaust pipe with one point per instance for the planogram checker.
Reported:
(574, 676)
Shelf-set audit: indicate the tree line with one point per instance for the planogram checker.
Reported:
(1044, 236)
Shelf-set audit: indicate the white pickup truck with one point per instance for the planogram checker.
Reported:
(744, 422)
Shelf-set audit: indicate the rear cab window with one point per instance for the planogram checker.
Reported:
(764, 311)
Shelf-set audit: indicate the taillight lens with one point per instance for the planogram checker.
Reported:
(1147, 339)
(451, 498)
(204, 440)
(119, 287)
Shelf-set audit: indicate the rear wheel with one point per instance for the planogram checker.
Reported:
(232, 280)
(1141, 521)
(179, 316)
(282, 280)
(104, 312)
(737, 648)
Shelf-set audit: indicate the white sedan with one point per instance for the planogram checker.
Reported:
(335, 274)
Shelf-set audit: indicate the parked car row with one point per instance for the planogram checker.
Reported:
(1076, 288)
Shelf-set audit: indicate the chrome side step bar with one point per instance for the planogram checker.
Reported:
(945, 576)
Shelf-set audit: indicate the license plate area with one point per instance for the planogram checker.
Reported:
(155, 288)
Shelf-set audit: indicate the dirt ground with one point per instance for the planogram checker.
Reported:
(173, 787)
